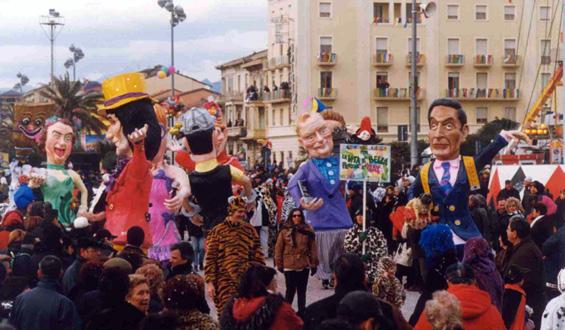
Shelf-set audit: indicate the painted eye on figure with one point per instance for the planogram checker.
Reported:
(26, 121)
(39, 122)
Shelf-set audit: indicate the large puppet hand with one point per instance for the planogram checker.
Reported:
(174, 145)
(36, 180)
(174, 204)
(138, 135)
(516, 135)
(311, 205)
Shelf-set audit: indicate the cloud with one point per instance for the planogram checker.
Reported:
(122, 35)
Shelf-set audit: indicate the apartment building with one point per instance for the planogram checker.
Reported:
(494, 56)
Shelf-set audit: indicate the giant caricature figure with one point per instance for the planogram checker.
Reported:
(61, 182)
(135, 131)
(210, 182)
(450, 177)
(326, 209)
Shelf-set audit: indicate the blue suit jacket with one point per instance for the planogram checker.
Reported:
(453, 207)
(333, 214)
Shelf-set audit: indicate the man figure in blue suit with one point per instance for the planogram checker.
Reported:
(450, 178)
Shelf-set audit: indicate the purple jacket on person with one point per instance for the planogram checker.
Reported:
(333, 214)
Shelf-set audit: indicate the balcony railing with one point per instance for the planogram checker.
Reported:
(455, 60)
(483, 60)
(236, 132)
(277, 62)
(393, 93)
(420, 59)
(232, 96)
(483, 93)
(382, 59)
(511, 60)
(380, 19)
(327, 93)
(327, 59)
(280, 95)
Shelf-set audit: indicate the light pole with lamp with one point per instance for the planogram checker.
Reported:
(53, 20)
(428, 10)
(78, 55)
(177, 15)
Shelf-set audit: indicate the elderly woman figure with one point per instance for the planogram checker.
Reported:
(138, 294)
(156, 280)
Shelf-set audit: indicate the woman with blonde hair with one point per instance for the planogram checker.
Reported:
(156, 280)
(444, 312)
(138, 294)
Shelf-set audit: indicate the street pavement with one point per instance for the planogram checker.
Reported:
(315, 293)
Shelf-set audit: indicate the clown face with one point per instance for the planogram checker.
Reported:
(116, 135)
(59, 143)
(316, 137)
(364, 136)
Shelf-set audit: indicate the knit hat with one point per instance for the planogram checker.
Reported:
(120, 263)
(196, 120)
(236, 203)
(183, 292)
(359, 306)
(12, 218)
(23, 197)
(365, 130)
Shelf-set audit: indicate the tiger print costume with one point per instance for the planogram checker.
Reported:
(231, 246)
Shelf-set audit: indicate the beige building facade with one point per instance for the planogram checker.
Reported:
(494, 56)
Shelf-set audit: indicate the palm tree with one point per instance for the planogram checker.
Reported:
(73, 104)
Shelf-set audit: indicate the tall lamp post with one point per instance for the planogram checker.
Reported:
(52, 24)
(428, 10)
(78, 55)
(177, 15)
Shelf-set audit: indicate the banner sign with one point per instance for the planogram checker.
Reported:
(358, 162)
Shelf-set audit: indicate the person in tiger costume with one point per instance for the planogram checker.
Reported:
(231, 248)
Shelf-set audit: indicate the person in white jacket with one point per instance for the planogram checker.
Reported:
(553, 317)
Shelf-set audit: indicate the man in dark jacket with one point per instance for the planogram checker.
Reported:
(181, 260)
(88, 250)
(554, 252)
(349, 274)
(524, 253)
(508, 191)
(44, 307)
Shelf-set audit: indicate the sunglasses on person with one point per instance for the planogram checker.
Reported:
(298, 215)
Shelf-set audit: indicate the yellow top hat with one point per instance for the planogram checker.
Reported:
(123, 89)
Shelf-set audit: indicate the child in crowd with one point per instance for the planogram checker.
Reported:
(514, 299)
(386, 286)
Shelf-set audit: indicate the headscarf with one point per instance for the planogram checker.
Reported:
(478, 255)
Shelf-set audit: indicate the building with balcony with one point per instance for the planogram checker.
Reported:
(355, 56)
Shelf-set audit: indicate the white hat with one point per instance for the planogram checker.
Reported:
(80, 222)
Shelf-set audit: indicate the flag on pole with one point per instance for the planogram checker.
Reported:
(317, 105)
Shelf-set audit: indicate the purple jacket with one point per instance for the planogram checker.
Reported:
(333, 214)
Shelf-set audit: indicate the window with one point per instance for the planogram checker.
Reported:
(482, 80)
(510, 80)
(261, 118)
(509, 13)
(380, 13)
(382, 47)
(281, 117)
(326, 79)
(480, 12)
(453, 80)
(325, 45)
(545, 48)
(382, 119)
(544, 13)
(482, 115)
(382, 80)
(452, 11)
(417, 78)
(481, 46)
(510, 113)
(325, 9)
(417, 118)
(409, 13)
(410, 46)
(453, 46)
(509, 48)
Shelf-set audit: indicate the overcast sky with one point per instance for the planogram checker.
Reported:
(124, 35)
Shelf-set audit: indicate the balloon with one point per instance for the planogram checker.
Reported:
(164, 69)
(161, 75)
(171, 70)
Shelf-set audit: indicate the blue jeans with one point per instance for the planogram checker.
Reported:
(198, 247)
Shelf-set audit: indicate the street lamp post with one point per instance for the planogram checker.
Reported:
(428, 10)
(78, 55)
(53, 21)
(177, 15)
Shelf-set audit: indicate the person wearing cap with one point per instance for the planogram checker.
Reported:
(363, 310)
(88, 250)
(508, 191)
(135, 132)
(210, 182)
(231, 247)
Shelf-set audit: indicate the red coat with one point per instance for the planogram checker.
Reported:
(127, 201)
(285, 319)
(477, 311)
